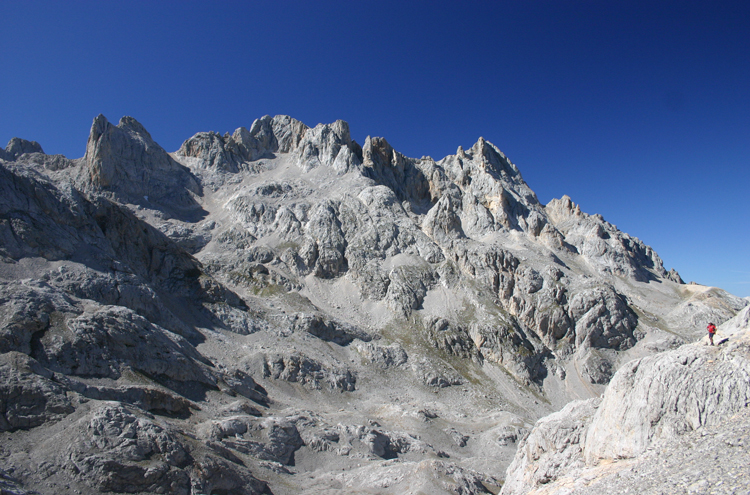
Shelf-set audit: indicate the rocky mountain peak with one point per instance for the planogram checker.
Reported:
(135, 128)
(563, 208)
(214, 150)
(402, 175)
(288, 132)
(17, 147)
(328, 145)
(603, 245)
(259, 140)
(30, 153)
(493, 159)
(126, 162)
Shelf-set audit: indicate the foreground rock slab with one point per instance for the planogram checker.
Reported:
(676, 422)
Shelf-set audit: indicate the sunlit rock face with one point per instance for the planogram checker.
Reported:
(696, 395)
(284, 310)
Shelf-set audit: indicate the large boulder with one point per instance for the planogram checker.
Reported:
(29, 397)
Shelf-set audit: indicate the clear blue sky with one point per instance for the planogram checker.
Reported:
(639, 110)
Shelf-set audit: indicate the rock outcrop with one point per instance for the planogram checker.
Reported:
(17, 147)
(125, 161)
(603, 246)
(649, 405)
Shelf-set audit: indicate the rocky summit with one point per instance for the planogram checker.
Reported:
(282, 310)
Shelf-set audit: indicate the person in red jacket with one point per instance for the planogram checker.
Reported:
(711, 332)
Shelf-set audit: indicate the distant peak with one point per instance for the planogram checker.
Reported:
(484, 147)
(492, 157)
(98, 127)
(17, 147)
(133, 125)
(564, 205)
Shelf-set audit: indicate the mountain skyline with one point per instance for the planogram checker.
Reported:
(637, 112)
(284, 294)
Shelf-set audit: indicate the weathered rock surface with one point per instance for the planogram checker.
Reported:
(430, 476)
(553, 447)
(281, 310)
(301, 369)
(383, 356)
(651, 405)
(28, 395)
(124, 160)
(17, 147)
(603, 246)
(118, 450)
(710, 460)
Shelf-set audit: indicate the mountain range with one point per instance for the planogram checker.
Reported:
(283, 310)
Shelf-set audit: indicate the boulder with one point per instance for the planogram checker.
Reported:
(298, 368)
(29, 397)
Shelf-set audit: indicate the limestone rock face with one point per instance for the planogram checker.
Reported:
(230, 153)
(288, 132)
(736, 325)
(39, 219)
(30, 397)
(554, 446)
(327, 145)
(383, 356)
(99, 344)
(667, 395)
(116, 448)
(119, 443)
(281, 310)
(213, 150)
(602, 319)
(301, 369)
(649, 402)
(17, 147)
(400, 174)
(126, 161)
(674, 276)
(603, 246)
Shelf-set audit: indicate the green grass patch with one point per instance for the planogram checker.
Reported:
(268, 290)
(287, 245)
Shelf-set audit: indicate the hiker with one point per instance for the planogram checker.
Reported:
(711, 332)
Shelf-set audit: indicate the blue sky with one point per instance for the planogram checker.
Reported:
(638, 110)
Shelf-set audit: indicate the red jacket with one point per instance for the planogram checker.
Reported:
(712, 328)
